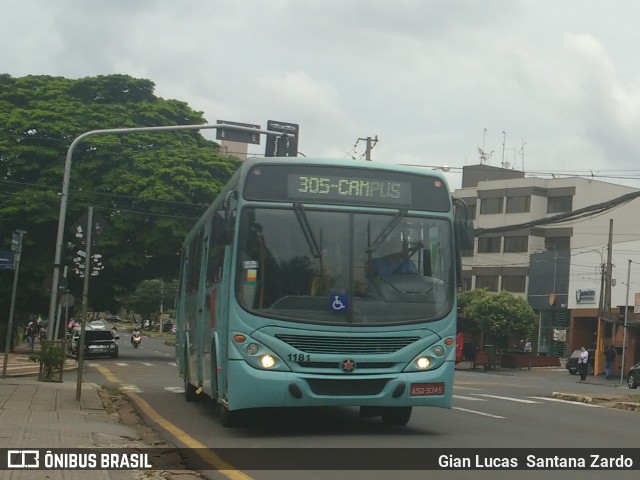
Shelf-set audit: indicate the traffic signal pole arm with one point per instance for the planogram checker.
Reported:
(64, 195)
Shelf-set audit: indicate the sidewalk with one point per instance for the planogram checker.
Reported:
(37, 414)
(19, 365)
(46, 415)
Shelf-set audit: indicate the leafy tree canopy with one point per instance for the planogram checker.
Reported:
(149, 295)
(499, 314)
(149, 187)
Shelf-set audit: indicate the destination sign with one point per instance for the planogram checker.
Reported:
(346, 185)
(343, 188)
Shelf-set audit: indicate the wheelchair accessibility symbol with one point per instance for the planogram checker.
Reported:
(338, 302)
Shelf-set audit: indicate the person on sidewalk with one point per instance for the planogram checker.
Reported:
(583, 364)
(609, 358)
(31, 333)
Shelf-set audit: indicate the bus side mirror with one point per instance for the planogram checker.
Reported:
(465, 234)
(224, 220)
(463, 225)
(221, 231)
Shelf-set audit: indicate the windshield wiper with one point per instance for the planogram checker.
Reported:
(386, 231)
(306, 230)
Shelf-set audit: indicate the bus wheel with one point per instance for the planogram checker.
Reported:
(227, 417)
(398, 416)
(190, 394)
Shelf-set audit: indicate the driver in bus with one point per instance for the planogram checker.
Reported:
(397, 261)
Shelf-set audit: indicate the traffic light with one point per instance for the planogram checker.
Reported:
(282, 145)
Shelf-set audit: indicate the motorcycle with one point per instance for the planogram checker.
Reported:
(136, 338)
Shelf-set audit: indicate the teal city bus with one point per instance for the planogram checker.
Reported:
(316, 282)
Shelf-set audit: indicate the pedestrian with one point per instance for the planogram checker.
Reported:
(527, 346)
(609, 358)
(583, 364)
(31, 334)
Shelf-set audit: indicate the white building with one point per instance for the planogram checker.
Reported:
(559, 267)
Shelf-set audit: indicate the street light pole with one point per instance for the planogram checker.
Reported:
(64, 195)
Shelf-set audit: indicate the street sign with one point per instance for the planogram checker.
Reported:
(241, 136)
(6, 261)
(16, 243)
(67, 300)
(285, 145)
(100, 227)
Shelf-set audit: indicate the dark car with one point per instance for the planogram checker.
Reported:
(572, 362)
(96, 343)
(633, 378)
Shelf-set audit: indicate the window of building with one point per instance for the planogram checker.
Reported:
(489, 244)
(514, 283)
(516, 244)
(491, 205)
(559, 204)
(488, 282)
(557, 243)
(518, 204)
(467, 253)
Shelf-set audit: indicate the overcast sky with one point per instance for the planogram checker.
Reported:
(434, 80)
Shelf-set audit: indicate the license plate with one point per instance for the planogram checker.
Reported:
(426, 389)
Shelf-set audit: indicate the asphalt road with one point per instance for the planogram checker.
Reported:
(491, 411)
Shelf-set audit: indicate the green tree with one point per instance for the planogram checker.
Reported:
(150, 188)
(148, 296)
(496, 314)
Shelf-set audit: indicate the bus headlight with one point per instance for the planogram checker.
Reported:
(438, 350)
(252, 348)
(423, 363)
(267, 361)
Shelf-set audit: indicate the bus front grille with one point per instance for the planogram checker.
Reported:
(337, 365)
(347, 345)
(349, 387)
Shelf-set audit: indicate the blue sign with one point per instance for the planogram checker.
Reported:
(339, 302)
(6, 261)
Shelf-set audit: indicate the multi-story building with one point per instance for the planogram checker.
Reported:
(547, 240)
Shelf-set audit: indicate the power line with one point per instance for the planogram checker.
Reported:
(584, 212)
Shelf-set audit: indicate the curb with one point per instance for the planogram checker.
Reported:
(599, 400)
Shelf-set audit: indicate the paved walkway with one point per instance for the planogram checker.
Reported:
(43, 415)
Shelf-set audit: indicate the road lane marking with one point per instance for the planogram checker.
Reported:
(462, 397)
(484, 414)
(206, 453)
(130, 388)
(120, 364)
(567, 401)
(175, 389)
(147, 364)
(510, 399)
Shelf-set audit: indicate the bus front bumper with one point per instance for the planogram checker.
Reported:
(253, 388)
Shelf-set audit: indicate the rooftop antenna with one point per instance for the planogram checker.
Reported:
(522, 153)
(504, 139)
(484, 156)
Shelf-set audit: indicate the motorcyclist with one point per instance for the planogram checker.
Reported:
(135, 333)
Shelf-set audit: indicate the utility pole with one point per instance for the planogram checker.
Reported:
(371, 142)
(17, 248)
(85, 300)
(161, 306)
(626, 313)
(607, 297)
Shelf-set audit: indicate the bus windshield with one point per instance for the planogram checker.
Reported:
(313, 265)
